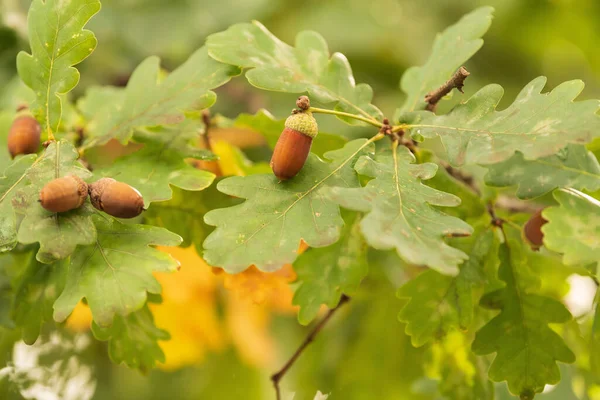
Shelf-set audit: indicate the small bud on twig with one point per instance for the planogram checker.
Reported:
(303, 103)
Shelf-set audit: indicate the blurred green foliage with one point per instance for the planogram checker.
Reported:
(364, 353)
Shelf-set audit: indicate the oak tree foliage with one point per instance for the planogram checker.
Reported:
(466, 270)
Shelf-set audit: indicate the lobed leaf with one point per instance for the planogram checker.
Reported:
(10, 183)
(399, 212)
(57, 233)
(36, 289)
(451, 49)
(573, 227)
(267, 228)
(6, 119)
(535, 124)
(471, 204)
(439, 304)
(159, 164)
(526, 348)
(114, 275)
(572, 167)
(184, 214)
(148, 101)
(133, 340)
(327, 272)
(307, 67)
(58, 42)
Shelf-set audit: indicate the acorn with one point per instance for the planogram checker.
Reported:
(293, 146)
(64, 194)
(533, 230)
(24, 135)
(116, 198)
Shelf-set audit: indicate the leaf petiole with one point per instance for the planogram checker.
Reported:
(371, 121)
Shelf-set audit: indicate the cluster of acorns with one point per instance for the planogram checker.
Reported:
(68, 193)
(114, 198)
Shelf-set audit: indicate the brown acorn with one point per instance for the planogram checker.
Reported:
(533, 230)
(116, 198)
(24, 135)
(64, 194)
(293, 145)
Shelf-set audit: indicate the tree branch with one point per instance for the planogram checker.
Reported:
(211, 166)
(461, 176)
(276, 378)
(456, 81)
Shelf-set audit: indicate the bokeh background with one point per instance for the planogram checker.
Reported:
(230, 333)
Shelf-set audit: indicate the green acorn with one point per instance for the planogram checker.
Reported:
(293, 146)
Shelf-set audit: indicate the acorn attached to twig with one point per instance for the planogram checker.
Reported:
(24, 135)
(64, 194)
(116, 198)
(533, 230)
(293, 146)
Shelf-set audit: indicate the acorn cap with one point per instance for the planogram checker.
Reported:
(304, 123)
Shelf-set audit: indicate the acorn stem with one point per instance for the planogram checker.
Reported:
(371, 121)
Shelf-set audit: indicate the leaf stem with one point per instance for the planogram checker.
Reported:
(371, 121)
(276, 378)
(401, 127)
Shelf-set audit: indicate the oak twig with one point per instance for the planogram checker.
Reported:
(212, 166)
(461, 176)
(514, 205)
(370, 120)
(276, 378)
(456, 81)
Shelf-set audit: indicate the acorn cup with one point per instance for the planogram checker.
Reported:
(533, 230)
(116, 198)
(293, 146)
(24, 135)
(64, 194)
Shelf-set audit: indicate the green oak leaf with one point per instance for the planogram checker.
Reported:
(267, 228)
(7, 261)
(115, 274)
(184, 213)
(471, 203)
(399, 212)
(58, 42)
(6, 119)
(439, 304)
(36, 289)
(266, 124)
(161, 163)
(572, 167)
(307, 67)
(526, 348)
(97, 98)
(460, 375)
(10, 183)
(573, 227)
(149, 101)
(451, 49)
(327, 272)
(57, 233)
(133, 339)
(535, 124)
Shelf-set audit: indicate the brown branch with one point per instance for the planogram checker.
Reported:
(514, 205)
(461, 176)
(211, 166)
(456, 81)
(276, 378)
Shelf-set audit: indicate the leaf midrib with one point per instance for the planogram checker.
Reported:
(309, 191)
